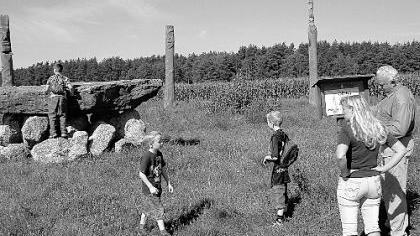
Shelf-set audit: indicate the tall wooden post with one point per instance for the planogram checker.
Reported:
(7, 78)
(169, 87)
(314, 91)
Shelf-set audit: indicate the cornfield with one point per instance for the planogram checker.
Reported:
(241, 93)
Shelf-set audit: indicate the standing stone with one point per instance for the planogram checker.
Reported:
(101, 138)
(78, 145)
(7, 77)
(35, 130)
(169, 92)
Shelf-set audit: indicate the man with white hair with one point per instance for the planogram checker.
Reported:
(397, 112)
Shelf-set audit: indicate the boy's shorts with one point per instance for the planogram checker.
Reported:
(278, 194)
(57, 105)
(151, 205)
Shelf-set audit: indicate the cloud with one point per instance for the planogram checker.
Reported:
(202, 34)
(68, 21)
(136, 8)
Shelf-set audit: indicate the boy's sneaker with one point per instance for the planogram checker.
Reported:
(142, 230)
(279, 221)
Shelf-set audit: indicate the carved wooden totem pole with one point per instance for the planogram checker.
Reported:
(314, 92)
(169, 87)
(6, 53)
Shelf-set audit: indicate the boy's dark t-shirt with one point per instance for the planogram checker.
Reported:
(358, 156)
(280, 174)
(151, 165)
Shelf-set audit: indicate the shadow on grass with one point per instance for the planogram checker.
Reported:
(413, 201)
(188, 215)
(291, 203)
(181, 141)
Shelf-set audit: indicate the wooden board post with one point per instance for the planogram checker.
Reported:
(7, 77)
(314, 92)
(169, 87)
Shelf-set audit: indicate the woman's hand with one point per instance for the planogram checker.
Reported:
(380, 169)
(153, 190)
(265, 159)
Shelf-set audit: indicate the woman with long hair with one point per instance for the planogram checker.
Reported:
(359, 184)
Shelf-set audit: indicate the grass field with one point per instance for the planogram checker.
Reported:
(220, 186)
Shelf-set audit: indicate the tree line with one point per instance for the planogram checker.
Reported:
(249, 62)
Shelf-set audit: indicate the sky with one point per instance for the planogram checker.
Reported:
(51, 30)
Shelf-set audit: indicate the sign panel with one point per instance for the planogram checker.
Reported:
(332, 102)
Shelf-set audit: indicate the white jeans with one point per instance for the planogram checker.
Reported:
(394, 184)
(359, 192)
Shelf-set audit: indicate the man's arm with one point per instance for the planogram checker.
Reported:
(399, 152)
(402, 116)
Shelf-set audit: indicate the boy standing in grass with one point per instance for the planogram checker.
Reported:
(152, 167)
(280, 176)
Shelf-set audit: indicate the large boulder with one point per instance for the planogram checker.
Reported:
(116, 119)
(122, 144)
(93, 97)
(15, 152)
(9, 134)
(101, 138)
(35, 130)
(134, 131)
(53, 150)
(78, 145)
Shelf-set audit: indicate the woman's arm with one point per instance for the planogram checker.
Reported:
(342, 160)
(400, 151)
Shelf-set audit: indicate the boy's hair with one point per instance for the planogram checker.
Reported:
(275, 118)
(58, 67)
(150, 138)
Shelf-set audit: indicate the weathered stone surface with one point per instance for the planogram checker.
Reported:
(15, 152)
(120, 121)
(123, 144)
(35, 130)
(51, 150)
(134, 131)
(78, 145)
(93, 97)
(9, 134)
(101, 138)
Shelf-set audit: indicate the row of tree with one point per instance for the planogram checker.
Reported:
(250, 62)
